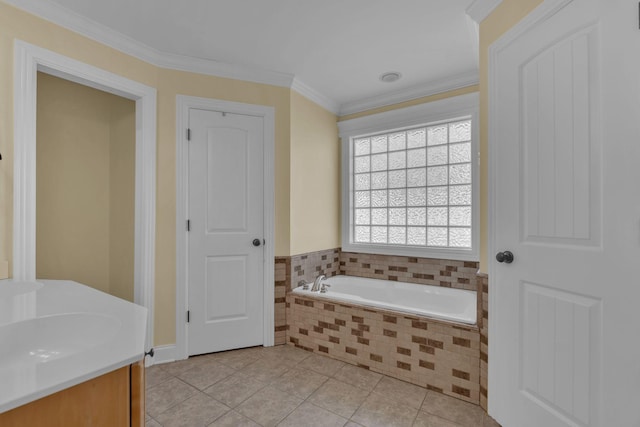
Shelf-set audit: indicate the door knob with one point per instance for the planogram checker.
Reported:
(256, 242)
(506, 257)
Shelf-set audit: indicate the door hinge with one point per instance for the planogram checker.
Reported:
(188, 225)
(188, 316)
(188, 134)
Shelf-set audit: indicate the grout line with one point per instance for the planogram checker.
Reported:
(295, 365)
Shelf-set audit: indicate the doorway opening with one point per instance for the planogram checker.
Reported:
(29, 60)
(184, 106)
(85, 182)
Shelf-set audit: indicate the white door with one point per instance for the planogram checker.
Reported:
(565, 147)
(225, 290)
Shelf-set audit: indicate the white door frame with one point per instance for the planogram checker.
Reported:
(28, 60)
(183, 104)
(541, 13)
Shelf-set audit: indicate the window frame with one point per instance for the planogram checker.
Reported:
(445, 110)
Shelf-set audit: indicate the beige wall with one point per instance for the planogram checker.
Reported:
(122, 171)
(171, 83)
(315, 177)
(505, 16)
(424, 100)
(85, 186)
(15, 24)
(72, 186)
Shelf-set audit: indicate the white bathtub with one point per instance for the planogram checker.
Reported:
(432, 301)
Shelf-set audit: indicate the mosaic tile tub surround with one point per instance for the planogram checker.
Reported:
(290, 270)
(282, 285)
(429, 357)
(441, 356)
(483, 292)
(330, 262)
(424, 271)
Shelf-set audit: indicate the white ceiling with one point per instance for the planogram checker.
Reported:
(334, 49)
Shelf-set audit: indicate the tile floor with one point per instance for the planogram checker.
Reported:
(286, 386)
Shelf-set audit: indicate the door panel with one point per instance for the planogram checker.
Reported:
(560, 331)
(225, 290)
(562, 161)
(228, 193)
(564, 142)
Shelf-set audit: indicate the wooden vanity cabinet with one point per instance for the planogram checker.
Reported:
(112, 400)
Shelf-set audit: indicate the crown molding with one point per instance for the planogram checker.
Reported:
(414, 92)
(480, 9)
(77, 23)
(409, 116)
(223, 69)
(315, 96)
(86, 27)
(102, 34)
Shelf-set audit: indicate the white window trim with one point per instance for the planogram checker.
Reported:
(447, 109)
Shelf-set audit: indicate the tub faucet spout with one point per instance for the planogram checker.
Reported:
(318, 282)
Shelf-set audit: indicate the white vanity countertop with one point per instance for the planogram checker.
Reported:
(55, 334)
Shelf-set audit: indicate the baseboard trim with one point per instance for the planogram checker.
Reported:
(162, 354)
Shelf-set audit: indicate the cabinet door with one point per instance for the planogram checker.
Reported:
(103, 401)
(137, 394)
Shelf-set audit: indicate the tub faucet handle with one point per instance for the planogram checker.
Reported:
(304, 284)
(323, 288)
(317, 282)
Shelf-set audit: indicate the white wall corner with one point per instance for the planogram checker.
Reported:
(315, 96)
(480, 9)
(474, 35)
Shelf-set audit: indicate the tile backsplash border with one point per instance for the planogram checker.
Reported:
(483, 323)
(424, 271)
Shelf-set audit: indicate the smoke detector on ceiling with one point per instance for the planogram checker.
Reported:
(390, 77)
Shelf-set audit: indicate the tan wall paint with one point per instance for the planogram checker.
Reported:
(122, 173)
(504, 17)
(432, 98)
(85, 186)
(16, 24)
(170, 84)
(72, 191)
(315, 177)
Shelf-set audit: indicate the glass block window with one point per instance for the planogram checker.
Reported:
(413, 187)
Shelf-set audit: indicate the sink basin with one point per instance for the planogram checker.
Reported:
(17, 300)
(13, 289)
(43, 339)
